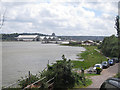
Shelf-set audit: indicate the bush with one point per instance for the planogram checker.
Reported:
(109, 47)
(62, 71)
(98, 69)
(24, 82)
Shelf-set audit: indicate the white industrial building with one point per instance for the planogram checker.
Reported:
(28, 38)
(49, 39)
(44, 39)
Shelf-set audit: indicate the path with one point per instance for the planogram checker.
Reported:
(105, 74)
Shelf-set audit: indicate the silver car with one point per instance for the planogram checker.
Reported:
(105, 64)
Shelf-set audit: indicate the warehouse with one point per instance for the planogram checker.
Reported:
(28, 38)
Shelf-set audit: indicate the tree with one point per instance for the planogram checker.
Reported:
(109, 46)
(62, 71)
(24, 82)
(53, 34)
(59, 76)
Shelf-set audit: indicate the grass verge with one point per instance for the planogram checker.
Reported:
(117, 75)
(80, 84)
(92, 74)
(90, 56)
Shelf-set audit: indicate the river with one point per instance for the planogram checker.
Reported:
(20, 57)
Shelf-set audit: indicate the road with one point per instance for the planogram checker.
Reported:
(105, 74)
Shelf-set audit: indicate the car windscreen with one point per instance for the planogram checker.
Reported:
(104, 62)
(115, 83)
(97, 65)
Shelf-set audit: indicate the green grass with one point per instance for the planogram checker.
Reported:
(90, 56)
(76, 45)
(117, 75)
(80, 84)
(92, 74)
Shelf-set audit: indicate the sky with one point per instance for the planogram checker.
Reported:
(64, 18)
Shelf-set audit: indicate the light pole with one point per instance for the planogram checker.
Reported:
(117, 26)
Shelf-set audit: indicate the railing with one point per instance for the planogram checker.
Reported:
(50, 85)
(36, 82)
(14, 85)
(50, 80)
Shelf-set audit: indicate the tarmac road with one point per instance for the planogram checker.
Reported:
(105, 74)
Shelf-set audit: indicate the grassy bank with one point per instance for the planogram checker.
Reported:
(80, 84)
(90, 56)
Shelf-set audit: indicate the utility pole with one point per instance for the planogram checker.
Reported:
(117, 26)
(29, 76)
(119, 38)
(2, 18)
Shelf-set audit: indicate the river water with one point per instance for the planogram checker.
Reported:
(20, 57)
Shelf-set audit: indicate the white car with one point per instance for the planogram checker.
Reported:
(97, 65)
(91, 70)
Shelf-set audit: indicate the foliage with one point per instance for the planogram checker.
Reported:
(98, 69)
(62, 71)
(109, 47)
(90, 74)
(24, 82)
(75, 43)
(62, 74)
(117, 75)
(90, 56)
(80, 83)
(9, 37)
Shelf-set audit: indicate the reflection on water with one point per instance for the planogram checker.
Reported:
(20, 57)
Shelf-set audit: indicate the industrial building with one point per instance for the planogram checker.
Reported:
(43, 39)
(49, 39)
(28, 38)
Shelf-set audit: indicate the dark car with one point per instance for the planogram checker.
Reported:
(111, 84)
(116, 60)
(105, 64)
(111, 62)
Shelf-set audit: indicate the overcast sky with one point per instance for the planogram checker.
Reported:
(68, 17)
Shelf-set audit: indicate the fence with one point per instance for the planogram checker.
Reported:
(16, 84)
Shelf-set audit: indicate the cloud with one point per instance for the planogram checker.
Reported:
(60, 0)
(68, 18)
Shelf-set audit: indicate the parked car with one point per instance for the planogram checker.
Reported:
(111, 62)
(111, 84)
(97, 65)
(91, 70)
(98, 68)
(105, 64)
(116, 60)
